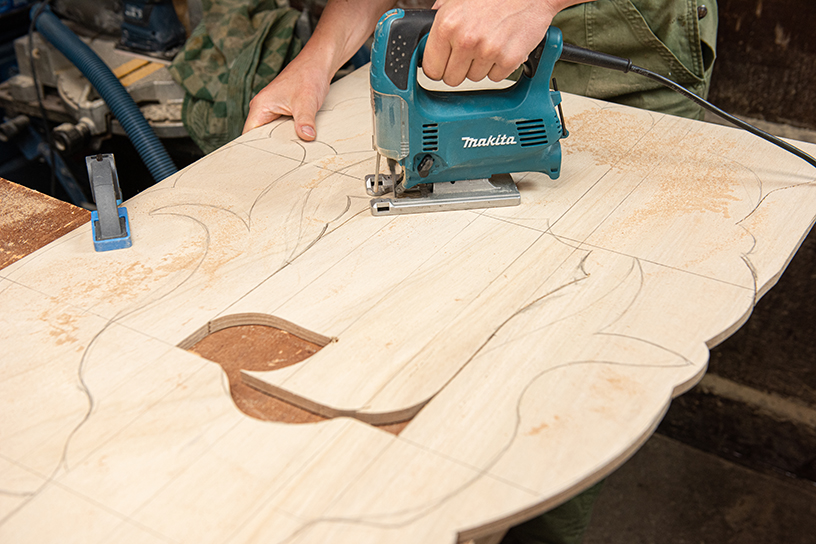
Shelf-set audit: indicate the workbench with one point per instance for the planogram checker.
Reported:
(426, 378)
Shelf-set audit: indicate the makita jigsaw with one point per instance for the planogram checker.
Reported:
(455, 150)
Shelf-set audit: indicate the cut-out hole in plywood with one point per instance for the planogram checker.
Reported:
(260, 342)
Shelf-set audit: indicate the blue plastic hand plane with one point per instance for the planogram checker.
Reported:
(456, 149)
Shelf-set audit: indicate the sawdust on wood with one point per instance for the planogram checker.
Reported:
(30, 220)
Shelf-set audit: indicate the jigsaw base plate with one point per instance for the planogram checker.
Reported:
(498, 191)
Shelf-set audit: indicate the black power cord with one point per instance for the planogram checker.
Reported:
(579, 55)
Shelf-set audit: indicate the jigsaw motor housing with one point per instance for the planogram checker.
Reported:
(445, 136)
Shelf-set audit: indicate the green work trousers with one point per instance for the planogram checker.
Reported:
(666, 36)
(676, 39)
(564, 524)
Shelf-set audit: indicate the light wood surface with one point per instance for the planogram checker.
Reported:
(533, 349)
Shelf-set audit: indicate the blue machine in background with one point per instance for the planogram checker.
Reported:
(13, 24)
(31, 148)
(151, 26)
(439, 137)
(7, 6)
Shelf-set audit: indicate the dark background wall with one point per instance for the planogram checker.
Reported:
(766, 60)
(766, 69)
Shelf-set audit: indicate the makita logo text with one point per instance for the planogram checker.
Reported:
(501, 139)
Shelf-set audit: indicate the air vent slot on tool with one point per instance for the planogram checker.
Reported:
(430, 137)
(532, 132)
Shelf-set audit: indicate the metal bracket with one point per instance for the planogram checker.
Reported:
(498, 191)
(384, 186)
(110, 226)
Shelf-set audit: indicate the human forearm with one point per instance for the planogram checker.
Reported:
(299, 90)
(343, 28)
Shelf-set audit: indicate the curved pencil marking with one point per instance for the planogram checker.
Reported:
(62, 462)
(162, 211)
(267, 189)
(413, 514)
(605, 311)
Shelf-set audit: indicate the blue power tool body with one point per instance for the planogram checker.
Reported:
(439, 136)
(152, 26)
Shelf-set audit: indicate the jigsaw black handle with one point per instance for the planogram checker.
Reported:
(403, 39)
(530, 66)
(406, 34)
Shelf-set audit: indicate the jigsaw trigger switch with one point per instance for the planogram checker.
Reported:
(425, 166)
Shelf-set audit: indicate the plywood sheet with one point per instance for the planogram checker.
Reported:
(530, 350)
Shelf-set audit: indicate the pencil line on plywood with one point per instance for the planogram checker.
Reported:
(413, 514)
(344, 170)
(484, 469)
(302, 146)
(159, 210)
(656, 263)
(412, 272)
(490, 337)
(263, 504)
(83, 386)
(13, 493)
(186, 171)
(290, 262)
(40, 253)
(345, 101)
(292, 258)
(62, 462)
(517, 221)
(301, 161)
(268, 188)
(633, 266)
(491, 463)
(384, 295)
(655, 122)
(204, 451)
(808, 184)
(265, 149)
